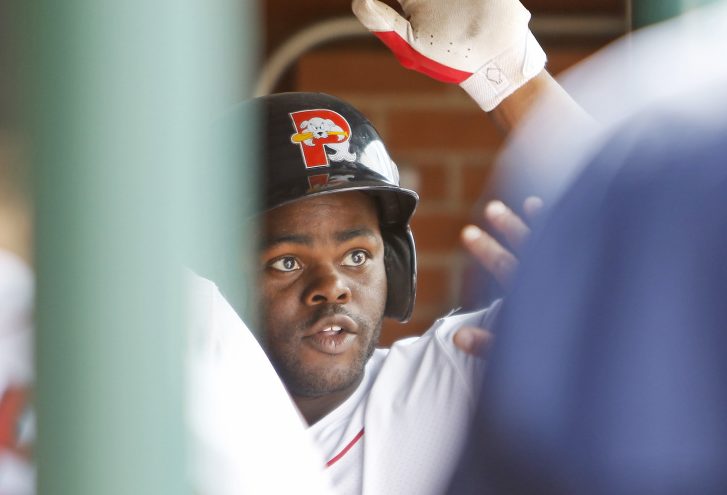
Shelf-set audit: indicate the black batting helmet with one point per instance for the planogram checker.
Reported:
(317, 144)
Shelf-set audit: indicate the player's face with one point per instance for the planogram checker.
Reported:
(324, 291)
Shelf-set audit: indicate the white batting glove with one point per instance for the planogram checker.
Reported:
(485, 46)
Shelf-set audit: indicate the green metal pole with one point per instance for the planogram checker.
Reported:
(646, 12)
(120, 95)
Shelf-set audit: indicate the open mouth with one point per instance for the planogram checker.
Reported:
(332, 341)
(334, 330)
(333, 335)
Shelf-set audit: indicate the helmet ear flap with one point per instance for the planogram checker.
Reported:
(400, 263)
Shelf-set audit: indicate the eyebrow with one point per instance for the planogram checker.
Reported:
(306, 240)
(349, 234)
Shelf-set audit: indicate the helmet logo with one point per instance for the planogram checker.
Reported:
(317, 130)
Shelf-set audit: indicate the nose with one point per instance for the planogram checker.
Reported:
(326, 286)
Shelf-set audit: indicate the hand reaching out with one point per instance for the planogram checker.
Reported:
(496, 258)
(501, 260)
(473, 340)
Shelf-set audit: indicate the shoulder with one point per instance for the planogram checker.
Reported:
(211, 318)
(218, 338)
(420, 406)
(229, 377)
(441, 333)
(445, 328)
(433, 356)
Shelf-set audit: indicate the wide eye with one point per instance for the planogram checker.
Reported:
(285, 264)
(357, 257)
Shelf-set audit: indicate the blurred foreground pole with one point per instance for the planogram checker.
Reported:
(646, 12)
(122, 92)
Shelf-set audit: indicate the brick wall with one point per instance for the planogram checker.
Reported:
(283, 17)
(444, 145)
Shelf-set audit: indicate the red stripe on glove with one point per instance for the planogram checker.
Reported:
(412, 59)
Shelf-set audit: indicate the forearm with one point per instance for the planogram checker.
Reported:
(543, 87)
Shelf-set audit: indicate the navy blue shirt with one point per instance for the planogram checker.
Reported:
(609, 371)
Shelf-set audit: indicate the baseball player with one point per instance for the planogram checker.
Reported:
(338, 256)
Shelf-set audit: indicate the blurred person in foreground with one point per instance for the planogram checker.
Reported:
(225, 451)
(609, 373)
(17, 475)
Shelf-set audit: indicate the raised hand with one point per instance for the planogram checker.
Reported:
(485, 46)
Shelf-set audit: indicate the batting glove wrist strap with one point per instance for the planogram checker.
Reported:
(501, 76)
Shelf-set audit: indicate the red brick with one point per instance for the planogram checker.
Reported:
(615, 7)
(433, 181)
(560, 59)
(369, 107)
(432, 286)
(360, 71)
(393, 330)
(475, 179)
(283, 18)
(441, 129)
(438, 231)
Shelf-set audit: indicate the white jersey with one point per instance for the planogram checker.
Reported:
(403, 428)
(243, 425)
(17, 475)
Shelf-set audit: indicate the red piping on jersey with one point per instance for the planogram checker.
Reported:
(412, 59)
(338, 456)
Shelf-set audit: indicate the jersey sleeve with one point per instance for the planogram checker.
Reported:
(419, 410)
(243, 424)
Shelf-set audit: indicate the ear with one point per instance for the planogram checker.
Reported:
(304, 124)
